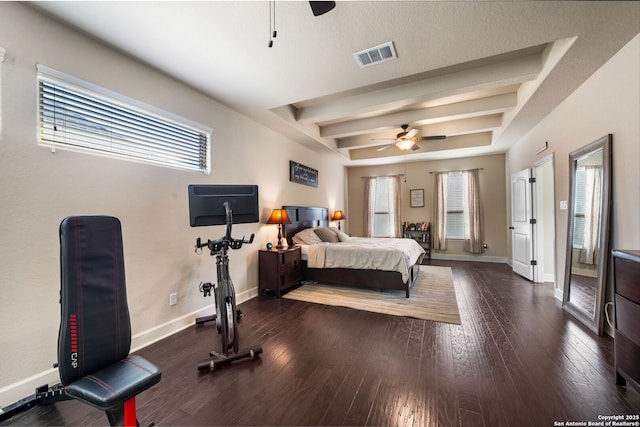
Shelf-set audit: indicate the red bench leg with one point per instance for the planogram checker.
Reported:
(130, 418)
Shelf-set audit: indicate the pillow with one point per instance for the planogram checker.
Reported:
(343, 237)
(306, 237)
(326, 234)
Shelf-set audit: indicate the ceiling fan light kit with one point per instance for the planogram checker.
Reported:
(408, 140)
(405, 144)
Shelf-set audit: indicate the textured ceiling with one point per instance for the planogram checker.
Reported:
(481, 73)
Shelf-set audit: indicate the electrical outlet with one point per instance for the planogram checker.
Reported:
(173, 299)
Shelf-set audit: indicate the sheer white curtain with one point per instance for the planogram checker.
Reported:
(592, 200)
(369, 203)
(440, 211)
(473, 224)
(395, 206)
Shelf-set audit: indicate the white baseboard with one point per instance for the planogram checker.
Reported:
(558, 293)
(26, 387)
(479, 258)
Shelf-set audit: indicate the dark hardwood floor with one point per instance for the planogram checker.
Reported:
(516, 360)
(583, 292)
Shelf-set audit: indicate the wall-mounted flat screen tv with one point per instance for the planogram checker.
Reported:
(206, 204)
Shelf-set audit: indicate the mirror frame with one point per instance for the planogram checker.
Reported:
(595, 321)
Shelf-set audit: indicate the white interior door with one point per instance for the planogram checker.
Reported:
(521, 226)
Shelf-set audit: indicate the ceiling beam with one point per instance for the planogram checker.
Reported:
(459, 110)
(496, 75)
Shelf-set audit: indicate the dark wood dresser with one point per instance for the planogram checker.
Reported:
(279, 270)
(626, 273)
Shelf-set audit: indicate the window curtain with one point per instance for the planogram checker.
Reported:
(440, 211)
(592, 199)
(473, 224)
(369, 203)
(395, 206)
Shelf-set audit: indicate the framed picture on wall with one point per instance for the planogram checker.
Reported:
(416, 196)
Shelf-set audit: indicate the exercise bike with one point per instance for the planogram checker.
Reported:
(227, 316)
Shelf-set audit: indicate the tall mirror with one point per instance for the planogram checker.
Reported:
(588, 232)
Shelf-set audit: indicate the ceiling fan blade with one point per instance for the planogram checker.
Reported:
(433, 137)
(415, 147)
(384, 139)
(385, 147)
(412, 133)
(321, 7)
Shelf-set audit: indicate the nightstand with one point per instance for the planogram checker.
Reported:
(279, 269)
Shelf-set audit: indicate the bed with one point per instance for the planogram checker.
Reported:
(364, 275)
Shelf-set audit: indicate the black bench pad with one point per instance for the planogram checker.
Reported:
(112, 386)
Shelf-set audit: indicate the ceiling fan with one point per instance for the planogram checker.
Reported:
(317, 7)
(321, 7)
(407, 140)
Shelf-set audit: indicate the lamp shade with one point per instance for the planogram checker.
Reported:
(338, 216)
(279, 216)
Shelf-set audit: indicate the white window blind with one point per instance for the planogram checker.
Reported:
(455, 206)
(382, 217)
(79, 115)
(381, 214)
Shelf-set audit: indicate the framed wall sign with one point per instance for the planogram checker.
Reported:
(302, 174)
(417, 197)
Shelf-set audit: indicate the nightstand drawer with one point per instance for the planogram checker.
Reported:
(627, 317)
(627, 275)
(290, 257)
(627, 354)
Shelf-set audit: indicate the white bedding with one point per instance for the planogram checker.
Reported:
(367, 254)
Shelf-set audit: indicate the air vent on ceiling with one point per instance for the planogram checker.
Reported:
(375, 55)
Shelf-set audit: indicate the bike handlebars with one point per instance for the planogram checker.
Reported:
(216, 246)
(225, 242)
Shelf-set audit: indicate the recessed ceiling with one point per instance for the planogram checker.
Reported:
(481, 73)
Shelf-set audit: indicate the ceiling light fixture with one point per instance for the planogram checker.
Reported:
(405, 144)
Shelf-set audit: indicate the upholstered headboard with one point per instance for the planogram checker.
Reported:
(304, 217)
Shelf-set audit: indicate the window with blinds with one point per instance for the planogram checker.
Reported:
(81, 116)
(455, 206)
(382, 226)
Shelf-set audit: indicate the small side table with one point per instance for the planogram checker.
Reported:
(279, 269)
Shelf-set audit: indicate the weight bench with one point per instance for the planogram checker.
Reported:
(95, 329)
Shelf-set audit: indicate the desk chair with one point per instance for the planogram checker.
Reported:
(95, 330)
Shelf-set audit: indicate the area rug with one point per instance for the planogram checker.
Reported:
(433, 297)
